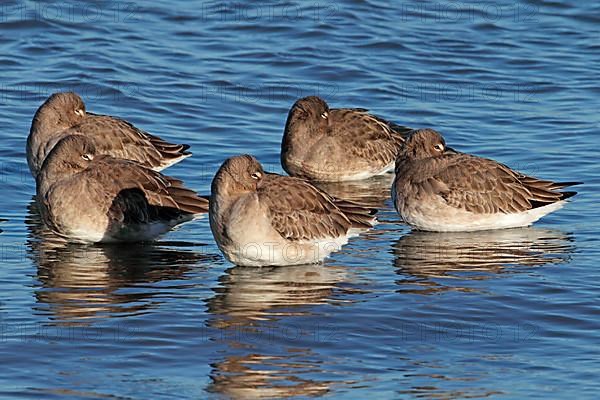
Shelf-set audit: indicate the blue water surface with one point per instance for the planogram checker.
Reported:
(396, 314)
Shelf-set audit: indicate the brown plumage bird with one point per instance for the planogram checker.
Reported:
(258, 218)
(64, 114)
(439, 189)
(338, 144)
(89, 197)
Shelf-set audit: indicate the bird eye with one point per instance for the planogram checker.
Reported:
(80, 112)
(87, 157)
(324, 115)
(256, 175)
(439, 147)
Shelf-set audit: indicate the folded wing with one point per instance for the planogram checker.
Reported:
(299, 211)
(120, 139)
(481, 185)
(379, 139)
(140, 194)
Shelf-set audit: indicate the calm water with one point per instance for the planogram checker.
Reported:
(508, 314)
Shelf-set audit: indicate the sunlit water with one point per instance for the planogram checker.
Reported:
(511, 314)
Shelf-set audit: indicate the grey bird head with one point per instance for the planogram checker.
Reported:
(60, 111)
(71, 155)
(307, 122)
(312, 112)
(237, 175)
(424, 143)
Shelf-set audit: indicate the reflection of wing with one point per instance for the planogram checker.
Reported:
(372, 192)
(254, 293)
(250, 298)
(277, 378)
(422, 256)
(79, 282)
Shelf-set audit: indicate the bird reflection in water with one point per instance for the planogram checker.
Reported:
(79, 282)
(255, 376)
(372, 192)
(430, 262)
(250, 310)
(250, 293)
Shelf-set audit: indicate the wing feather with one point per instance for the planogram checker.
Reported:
(481, 185)
(141, 194)
(299, 211)
(121, 139)
(378, 140)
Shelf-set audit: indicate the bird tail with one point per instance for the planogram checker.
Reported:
(361, 216)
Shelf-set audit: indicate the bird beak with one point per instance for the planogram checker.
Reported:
(450, 150)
